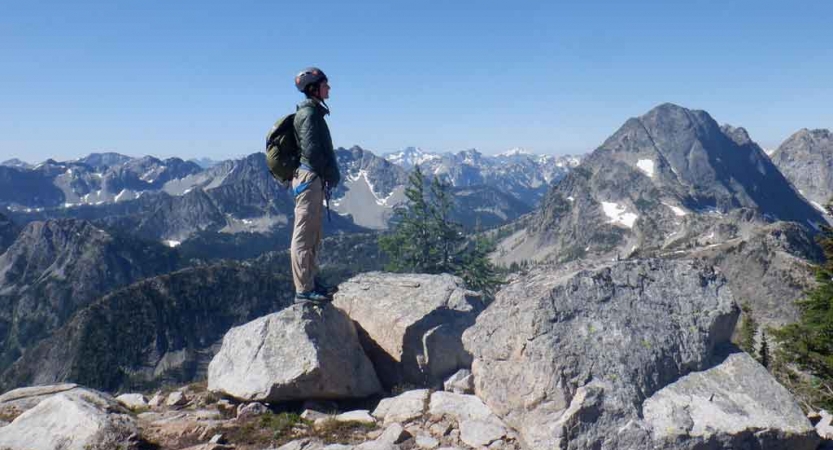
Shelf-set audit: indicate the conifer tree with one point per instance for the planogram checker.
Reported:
(808, 343)
(425, 239)
(410, 247)
(748, 330)
(763, 352)
(448, 234)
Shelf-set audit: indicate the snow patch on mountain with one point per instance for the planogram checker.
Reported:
(647, 166)
(618, 214)
(517, 151)
(679, 212)
(411, 157)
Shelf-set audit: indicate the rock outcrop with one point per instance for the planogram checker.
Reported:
(734, 404)
(768, 270)
(411, 324)
(65, 417)
(570, 359)
(304, 352)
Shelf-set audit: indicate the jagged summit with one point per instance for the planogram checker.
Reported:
(14, 162)
(655, 183)
(806, 159)
(104, 160)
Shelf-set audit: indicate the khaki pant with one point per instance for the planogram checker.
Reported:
(306, 236)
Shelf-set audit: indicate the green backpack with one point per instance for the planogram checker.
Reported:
(282, 153)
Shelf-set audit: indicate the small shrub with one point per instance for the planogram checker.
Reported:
(335, 432)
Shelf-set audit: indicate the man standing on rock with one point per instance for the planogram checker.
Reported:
(315, 177)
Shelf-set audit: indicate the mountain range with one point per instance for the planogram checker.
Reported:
(174, 201)
(524, 175)
(140, 238)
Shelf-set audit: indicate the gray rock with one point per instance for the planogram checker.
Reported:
(462, 382)
(299, 444)
(411, 323)
(337, 447)
(361, 416)
(217, 439)
(824, 427)
(440, 428)
(302, 352)
(133, 401)
(426, 442)
(393, 434)
(459, 407)
(251, 410)
(402, 408)
(77, 420)
(176, 398)
(157, 400)
(589, 349)
(311, 415)
(481, 433)
(478, 425)
(17, 401)
(734, 402)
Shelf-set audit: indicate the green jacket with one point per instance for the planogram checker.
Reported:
(313, 136)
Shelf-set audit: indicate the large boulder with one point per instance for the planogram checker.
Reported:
(15, 402)
(303, 352)
(569, 359)
(411, 324)
(68, 418)
(734, 404)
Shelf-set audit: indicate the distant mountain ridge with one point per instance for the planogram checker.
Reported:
(53, 268)
(522, 174)
(806, 159)
(173, 200)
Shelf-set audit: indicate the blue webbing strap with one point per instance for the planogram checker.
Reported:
(300, 189)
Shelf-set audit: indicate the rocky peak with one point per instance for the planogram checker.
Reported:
(737, 134)
(410, 157)
(648, 184)
(104, 160)
(806, 159)
(14, 162)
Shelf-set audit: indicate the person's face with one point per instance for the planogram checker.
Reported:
(324, 90)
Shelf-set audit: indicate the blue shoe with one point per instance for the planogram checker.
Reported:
(323, 289)
(312, 296)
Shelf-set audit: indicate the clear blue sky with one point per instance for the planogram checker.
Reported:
(181, 78)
